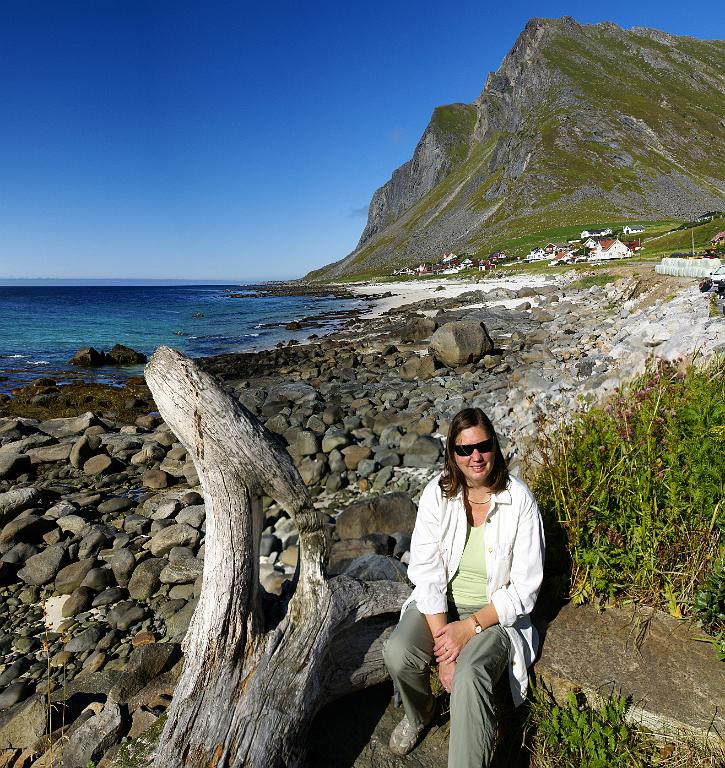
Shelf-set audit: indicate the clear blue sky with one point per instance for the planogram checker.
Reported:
(174, 139)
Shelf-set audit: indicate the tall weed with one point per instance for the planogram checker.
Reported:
(632, 493)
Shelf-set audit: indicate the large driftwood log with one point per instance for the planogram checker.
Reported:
(248, 692)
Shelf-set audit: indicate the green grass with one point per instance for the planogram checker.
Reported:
(602, 278)
(632, 494)
(454, 124)
(681, 240)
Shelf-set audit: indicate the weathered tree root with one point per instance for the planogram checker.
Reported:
(247, 695)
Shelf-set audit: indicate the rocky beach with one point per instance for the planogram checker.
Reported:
(103, 519)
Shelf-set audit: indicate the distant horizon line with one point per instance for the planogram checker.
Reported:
(9, 282)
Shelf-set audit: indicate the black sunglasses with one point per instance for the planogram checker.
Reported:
(467, 450)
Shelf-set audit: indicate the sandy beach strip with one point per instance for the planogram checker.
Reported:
(413, 291)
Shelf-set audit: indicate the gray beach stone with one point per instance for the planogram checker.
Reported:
(13, 671)
(115, 505)
(125, 614)
(108, 596)
(156, 479)
(84, 641)
(178, 535)
(101, 464)
(42, 568)
(145, 581)
(88, 742)
(14, 693)
(99, 579)
(50, 454)
(312, 470)
(13, 464)
(424, 452)
(80, 452)
(144, 664)
(80, 600)
(27, 528)
(24, 724)
(335, 437)
(460, 342)
(68, 426)
(376, 568)
(389, 513)
(19, 553)
(72, 523)
(182, 571)
(123, 564)
(16, 500)
(193, 515)
(69, 578)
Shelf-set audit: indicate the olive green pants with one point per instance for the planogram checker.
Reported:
(479, 666)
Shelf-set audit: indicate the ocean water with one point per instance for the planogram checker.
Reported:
(41, 327)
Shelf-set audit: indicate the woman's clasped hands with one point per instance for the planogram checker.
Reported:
(450, 640)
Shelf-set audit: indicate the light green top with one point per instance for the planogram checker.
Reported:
(469, 584)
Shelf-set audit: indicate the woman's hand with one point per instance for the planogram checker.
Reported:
(451, 639)
(445, 673)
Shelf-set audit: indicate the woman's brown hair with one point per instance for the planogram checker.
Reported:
(452, 479)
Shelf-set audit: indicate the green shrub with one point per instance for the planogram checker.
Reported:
(577, 736)
(708, 606)
(632, 493)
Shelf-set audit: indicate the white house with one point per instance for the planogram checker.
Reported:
(635, 229)
(590, 243)
(537, 254)
(447, 257)
(610, 249)
(595, 233)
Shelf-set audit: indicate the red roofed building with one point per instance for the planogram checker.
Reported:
(610, 249)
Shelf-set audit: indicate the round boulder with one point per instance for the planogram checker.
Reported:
(88, 357)
(121, 355)
(460, 342)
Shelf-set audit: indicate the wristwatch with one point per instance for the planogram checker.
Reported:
(478, 628)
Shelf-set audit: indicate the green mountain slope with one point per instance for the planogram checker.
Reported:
(581, 124)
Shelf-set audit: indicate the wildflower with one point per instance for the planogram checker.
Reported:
(601, 449)
(615, 538)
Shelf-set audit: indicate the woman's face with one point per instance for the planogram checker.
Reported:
(477, 467)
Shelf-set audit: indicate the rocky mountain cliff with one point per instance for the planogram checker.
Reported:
(581, 123)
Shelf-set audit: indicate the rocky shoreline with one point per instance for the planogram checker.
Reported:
(103, 521)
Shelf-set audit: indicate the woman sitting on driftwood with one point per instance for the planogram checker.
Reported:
(476, 561)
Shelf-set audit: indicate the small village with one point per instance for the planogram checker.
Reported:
(594, 245)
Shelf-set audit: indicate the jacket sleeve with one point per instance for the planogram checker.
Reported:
(426, 568)
(517, 597)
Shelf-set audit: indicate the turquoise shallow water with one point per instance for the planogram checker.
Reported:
(42, 327)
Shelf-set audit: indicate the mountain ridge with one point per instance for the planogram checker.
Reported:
(579, 123)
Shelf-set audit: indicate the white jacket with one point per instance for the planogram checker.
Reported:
(514, 541)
